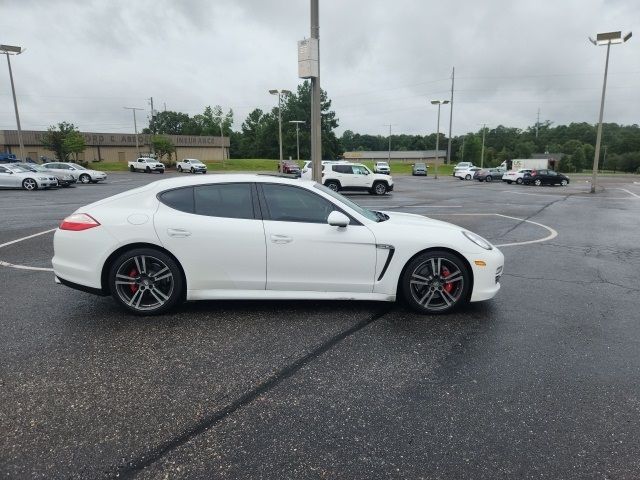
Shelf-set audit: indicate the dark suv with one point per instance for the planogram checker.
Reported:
(545, 177)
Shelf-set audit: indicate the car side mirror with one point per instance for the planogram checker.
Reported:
(337, 219)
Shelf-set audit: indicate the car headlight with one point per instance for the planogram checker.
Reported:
(43, 178)
(478, 240)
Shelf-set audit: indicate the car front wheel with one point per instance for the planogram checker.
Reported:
(436, 282)
(489, 179)
(179, 169)
(146, 281)
(537, 182)
(379, 189)
(519, 181)
(29, 184)
(468, 177)
(564, 182)
(84, 178)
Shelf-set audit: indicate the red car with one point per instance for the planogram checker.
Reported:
(289, 167)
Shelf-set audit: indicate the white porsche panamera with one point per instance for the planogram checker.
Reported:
(266, 237)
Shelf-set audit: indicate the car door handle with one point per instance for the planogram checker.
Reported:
(178, 232)
(281, 239)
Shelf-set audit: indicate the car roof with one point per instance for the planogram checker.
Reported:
(176, 182)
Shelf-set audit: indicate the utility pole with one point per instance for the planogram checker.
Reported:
(279, 93)
(484, 129)
(316, 107)
(389, 154)
(462, 150)
(298, 122)
(439, 103)
(135, 125)
(9, 50)
(538, 122)
(153, 112)
(453, 79)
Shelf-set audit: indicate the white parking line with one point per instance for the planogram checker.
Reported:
(625, 190)
(552, 233)
(26, 267)
(411, 206)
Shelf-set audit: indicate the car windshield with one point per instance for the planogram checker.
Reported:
(193, 160)
(371, 215)
(79, 167)
(18, 169)
(420, 165)
(32, 167)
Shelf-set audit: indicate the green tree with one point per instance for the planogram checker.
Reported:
(162, 145)
(578, 160)
(63, 140)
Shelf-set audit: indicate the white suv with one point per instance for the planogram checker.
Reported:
(192, 165)
(382, 167)
(355, 177)
(461, 166)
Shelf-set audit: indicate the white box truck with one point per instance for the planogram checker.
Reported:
(530, 163)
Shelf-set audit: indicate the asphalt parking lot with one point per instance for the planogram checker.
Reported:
(541, 382)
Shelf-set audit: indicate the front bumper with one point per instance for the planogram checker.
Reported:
(390, 188)
(486, 279)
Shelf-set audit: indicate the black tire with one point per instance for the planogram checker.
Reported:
(564, 182)
(423, 284)
(29, 184)
(509, 182)
(467, 177)
(333, 185)
(489, 178)
(147, 170)
(136, 290)
(204, 171)
(379, 188)
(519, 181)
(537, 182)
(193, 170)
(85, 178)
(131, 169)
(179, 169)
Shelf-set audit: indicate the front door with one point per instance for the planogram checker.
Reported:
(8, 179)
(216, 235)
(304, 253)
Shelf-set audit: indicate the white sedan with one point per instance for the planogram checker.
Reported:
(13, 176)
(249, 237)
(465, 173)
(515, 176)
(80, 173)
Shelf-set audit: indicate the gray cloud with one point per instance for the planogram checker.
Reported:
(381, 61)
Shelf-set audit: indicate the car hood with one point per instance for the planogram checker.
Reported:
(412, 219)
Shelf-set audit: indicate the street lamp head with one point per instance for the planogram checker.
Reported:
(274, 92)
(608, 38)
(439, 102)
(286, 92)
(11, 49)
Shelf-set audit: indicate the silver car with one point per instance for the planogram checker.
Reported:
(13, 176)
(64, 179)
(80, 173)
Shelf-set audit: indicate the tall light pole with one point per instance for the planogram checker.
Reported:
(279, 93)
(221, 139)
(135, 125)
(9, 50)
(484, 129)
(439, 103)
(389, 154)
(297, 122)
(607, 39)
(453, 79)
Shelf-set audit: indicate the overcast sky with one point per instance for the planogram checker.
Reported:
(381, 61)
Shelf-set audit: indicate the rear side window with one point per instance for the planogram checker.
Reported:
(342, 168)
(179, 199)
(231, 200)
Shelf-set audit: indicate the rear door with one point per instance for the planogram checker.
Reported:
(216, 233)
(305, 253)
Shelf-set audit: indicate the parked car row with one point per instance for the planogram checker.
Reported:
(32, 176)
(526, 176)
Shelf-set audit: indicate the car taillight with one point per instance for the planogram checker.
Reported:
(78, 222)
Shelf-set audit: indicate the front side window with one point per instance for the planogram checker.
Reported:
(230, 200)
(292, 204)
(3, 170)
(359, 170)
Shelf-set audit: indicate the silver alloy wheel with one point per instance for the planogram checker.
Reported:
(333, 186)
(84, 178)
(380, 189)
(193, 170)
(468, 177)
(437, 284)
(144, 283)
(29, 184)
(537, 182)
(519, 181)
(489, 178)
(563, 182)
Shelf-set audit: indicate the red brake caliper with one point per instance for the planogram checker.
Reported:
(133, 273)
(447, 286)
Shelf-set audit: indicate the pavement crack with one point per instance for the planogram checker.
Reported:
(136, 465)
(537, 212)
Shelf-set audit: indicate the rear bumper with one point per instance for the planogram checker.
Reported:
(82, 288)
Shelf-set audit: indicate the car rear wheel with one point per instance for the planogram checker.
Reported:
(85, 178)
(29, 184)
(335, 186)
(179, 169)
(519, 181)
(147, 170)
(436, 282)
(509, 182)
(193, 170)
(131, 169)
(489, 178)
(537, 182)
(564, 182)
(467, 177)
(146, 281)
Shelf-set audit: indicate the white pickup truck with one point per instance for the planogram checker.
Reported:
(192, 165)
(147, 165)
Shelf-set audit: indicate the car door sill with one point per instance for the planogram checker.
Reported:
(285, 295)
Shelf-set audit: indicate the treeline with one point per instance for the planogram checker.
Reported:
(258, 137)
